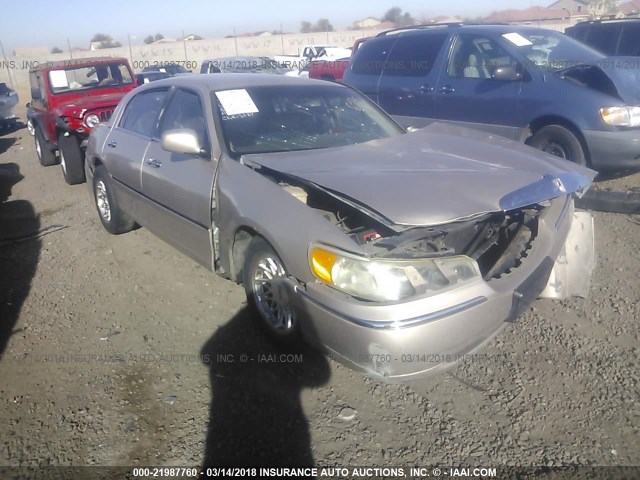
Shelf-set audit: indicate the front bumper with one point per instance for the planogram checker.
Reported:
(612, 150)
(410, 340)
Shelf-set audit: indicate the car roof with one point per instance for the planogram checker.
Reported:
(77, 62)
(498, 28)
(229, 81)
(598, 22)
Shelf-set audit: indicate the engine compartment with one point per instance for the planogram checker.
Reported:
(497, 241)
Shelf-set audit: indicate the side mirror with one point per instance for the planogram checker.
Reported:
(181, 140)
(506, 74)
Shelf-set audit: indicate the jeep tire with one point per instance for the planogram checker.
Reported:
(45, 155)
(71, 159)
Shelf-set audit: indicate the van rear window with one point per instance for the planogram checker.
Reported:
(371, 56)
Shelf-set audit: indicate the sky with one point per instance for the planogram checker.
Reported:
(44, 23)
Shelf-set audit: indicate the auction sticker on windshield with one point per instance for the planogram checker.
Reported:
(517, 39)
(236, 102)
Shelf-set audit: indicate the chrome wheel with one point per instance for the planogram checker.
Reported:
(272, 294)
(32, 131)
(38, 148)
(102, 201)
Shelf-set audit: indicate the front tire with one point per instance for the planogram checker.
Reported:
(45, 155)
(114, 220)
(560, 142)
(71, 159)
(269, 293)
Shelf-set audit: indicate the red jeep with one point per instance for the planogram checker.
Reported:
(68, 99)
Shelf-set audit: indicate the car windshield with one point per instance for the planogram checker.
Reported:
(551, 50)
(287, 118)
(87, 77)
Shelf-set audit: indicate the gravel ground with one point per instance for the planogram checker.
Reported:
(113, 348)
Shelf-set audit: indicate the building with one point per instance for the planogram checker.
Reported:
(529, 15)
(369, 22)
(574, 7)
(630, 9)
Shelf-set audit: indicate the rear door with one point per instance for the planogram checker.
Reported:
(468, 94)
(407, 85)
(179, 186)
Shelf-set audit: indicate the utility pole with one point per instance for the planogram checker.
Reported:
(130, 49)
(184, 44)
(69, 46)
(235, 39)
(6, 64)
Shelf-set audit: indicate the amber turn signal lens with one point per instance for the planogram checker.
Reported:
(322, 262)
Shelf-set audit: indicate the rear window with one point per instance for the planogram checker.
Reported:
(414, 55)
(630, 40)
(603, 37)
(371, 56)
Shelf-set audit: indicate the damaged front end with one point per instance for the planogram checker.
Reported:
(424, 260)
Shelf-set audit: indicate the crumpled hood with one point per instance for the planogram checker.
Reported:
(624, 72)
(439, 174)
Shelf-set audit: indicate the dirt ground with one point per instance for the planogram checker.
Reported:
(113, 352)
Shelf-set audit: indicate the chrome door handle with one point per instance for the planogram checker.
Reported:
(154, 163)
(112, 144)
(447, 89)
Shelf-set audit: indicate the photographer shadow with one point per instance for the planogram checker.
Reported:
(256, 416)
(19, 251)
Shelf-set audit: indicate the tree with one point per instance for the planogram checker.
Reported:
(105, 41)
(56, 50)
(392, 15)
(153, 38)
(305, 27)
(323, 25)
(399, 19)
(601, 8)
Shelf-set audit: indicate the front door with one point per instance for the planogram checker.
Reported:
(179, 186)
(467, 92)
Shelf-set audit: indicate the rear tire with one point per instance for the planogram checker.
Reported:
(45, 155)
(114, 220)
(560, 142)
(71, 159)
(269, 294)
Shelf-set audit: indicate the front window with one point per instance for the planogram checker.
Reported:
(87, 77)
(551, 50)
(477, 57)
(288, 118)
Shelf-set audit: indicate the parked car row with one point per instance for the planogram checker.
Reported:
(398, 250)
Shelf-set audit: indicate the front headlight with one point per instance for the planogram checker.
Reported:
(621, 116)
(91, 120)
(386, 280)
